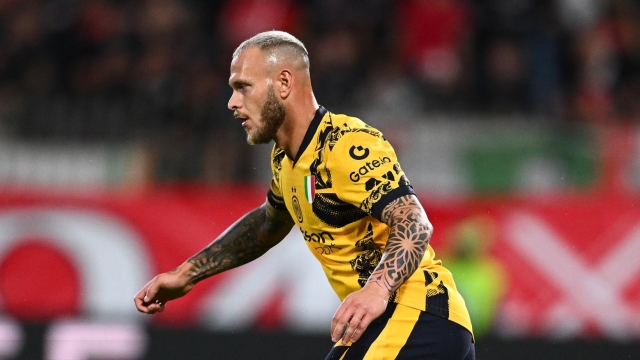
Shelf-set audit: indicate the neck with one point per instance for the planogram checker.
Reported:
(299, 117)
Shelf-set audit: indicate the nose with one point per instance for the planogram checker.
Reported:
(234, 101)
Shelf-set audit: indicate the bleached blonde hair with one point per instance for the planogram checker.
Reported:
(276, 40)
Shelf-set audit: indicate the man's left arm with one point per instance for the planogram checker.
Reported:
(408, 239)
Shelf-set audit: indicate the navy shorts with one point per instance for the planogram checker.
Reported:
(405, 333)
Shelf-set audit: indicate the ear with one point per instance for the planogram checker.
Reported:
(285, 82)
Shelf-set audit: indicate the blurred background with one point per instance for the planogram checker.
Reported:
(517, 122)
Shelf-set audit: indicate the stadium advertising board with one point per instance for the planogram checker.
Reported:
(562, 266)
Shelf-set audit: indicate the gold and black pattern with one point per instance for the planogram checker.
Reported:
(331, 134)
(335, 225)
(393, 297)
(397, 168)
(322, 182)
(438, 301)
(368, 259)
(278, 156)
(296, 208)
(429, 277)
(335, 212)
(368, 130)
(336, 132)
(437, 291)
(403, 181)
(328, 207)
(438, 298)
(333, 137)
(327, 139)
(375, 195)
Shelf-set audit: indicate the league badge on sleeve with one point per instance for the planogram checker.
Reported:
(310, 188)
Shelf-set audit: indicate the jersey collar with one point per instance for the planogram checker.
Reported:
(311, 131)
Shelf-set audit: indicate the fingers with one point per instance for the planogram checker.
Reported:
(353, 329)
(355, 314)
(144, 299)
(140, 305)
(151, 308)
(139, 301)
(348, 324)
(156, 307)
(338, 323)
(162, 306)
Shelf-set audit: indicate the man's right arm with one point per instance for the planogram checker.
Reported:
(244, 241)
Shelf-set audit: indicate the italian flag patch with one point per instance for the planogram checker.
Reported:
(310, 188)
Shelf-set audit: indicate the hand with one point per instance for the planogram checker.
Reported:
(357, 311)
(154, 295)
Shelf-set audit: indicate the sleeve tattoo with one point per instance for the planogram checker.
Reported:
(408, 239)
(246, 240)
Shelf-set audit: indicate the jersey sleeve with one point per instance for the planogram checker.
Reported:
(366, 173)
(274, 195)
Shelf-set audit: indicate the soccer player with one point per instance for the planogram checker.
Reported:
(340, 182)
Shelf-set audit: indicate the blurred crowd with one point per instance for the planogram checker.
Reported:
(155, 72)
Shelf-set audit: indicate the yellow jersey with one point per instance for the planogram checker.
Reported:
(343, 176)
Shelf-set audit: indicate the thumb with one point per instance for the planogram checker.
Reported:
(151, 292)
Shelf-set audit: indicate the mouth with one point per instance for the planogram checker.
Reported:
(245, 120)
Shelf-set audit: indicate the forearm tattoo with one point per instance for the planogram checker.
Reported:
(408, 240)
(246, 240)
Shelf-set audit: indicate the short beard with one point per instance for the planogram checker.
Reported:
(272, 116)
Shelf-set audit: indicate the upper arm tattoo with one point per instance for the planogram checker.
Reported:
(408, 240)
(244, 241)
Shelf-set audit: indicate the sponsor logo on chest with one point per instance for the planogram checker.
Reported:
(320, 237)
(368, 166)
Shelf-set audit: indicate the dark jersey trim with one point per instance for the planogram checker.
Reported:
(308, 136)
(376, 210)
(276, 201)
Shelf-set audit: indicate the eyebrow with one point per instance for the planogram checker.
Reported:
(237, 83)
